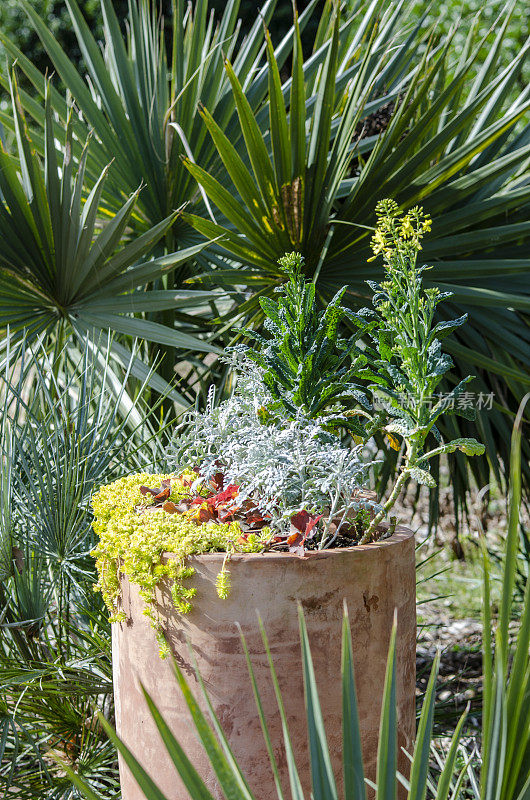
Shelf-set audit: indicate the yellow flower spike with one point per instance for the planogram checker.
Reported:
(406, 227)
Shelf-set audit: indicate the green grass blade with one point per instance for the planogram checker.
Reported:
(354, 785)
(420, 764)
(187, 772)
(487, 656)
(319, 140)
(141, 274)
(145, 329)
(32, 179)
(387, 750)
(512, 537)
(127, 255)
(72, 79)
(294, 779)
(496, 733)
(155, 300)
(105, 244)
(323, 780)
(518, 757)
(229, 240)
(230, 206)
(262, 718)
(146, 784)
(221, 758)
(97, 68)
(524, 794)
(518, 732)
(236, 168)
(444, 781)
(51, 171)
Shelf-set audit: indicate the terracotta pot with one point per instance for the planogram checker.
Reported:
(374, 580)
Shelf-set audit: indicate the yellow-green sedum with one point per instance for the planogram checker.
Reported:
(133, 538)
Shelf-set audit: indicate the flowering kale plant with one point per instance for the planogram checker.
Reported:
(406, 362)
(282, 464)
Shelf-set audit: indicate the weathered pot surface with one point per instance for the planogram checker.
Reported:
(373, 579)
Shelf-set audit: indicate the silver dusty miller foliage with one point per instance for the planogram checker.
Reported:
(283, 465)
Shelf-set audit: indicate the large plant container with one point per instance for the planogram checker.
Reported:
(373, 579)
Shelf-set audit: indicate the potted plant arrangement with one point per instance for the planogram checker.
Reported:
(268, 508)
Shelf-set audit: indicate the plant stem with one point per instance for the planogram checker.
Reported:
(379, 517)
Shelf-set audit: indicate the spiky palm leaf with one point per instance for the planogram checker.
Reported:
(62, 271)
(141, 107)
(453, 143)
(56, 444)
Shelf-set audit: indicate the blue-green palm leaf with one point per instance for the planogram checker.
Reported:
(62, 267)
(141, 101)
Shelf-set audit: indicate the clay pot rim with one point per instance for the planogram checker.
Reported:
(400, 535)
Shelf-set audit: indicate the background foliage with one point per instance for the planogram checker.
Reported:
(14, 23)
(450, 131)
(56, 446)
